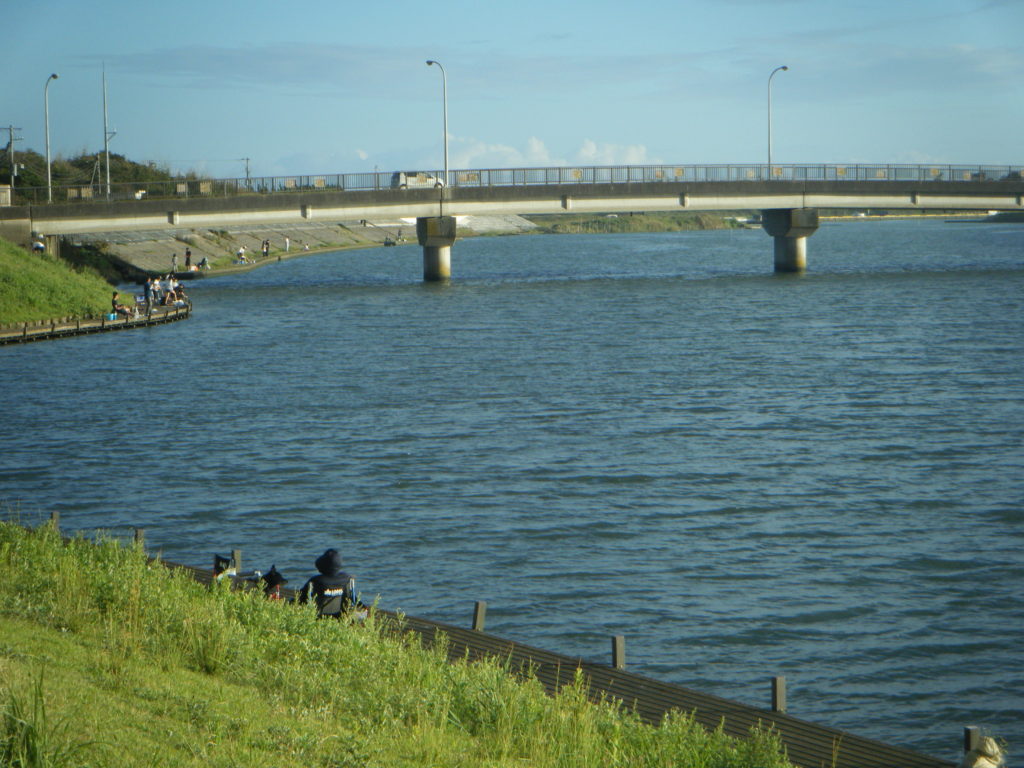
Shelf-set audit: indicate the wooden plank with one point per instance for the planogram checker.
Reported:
(53, 331)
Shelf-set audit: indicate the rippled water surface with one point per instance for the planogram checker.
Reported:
(745, 474)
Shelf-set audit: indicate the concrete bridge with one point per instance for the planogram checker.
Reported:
(788, 197)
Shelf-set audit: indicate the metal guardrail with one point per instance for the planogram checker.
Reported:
(515, 177)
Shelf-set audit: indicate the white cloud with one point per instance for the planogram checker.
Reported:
(537, 153)
(362, 154)
(474, 153)
(592, 153)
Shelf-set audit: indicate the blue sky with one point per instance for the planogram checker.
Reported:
(337, 86)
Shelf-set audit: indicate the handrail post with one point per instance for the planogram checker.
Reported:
(972, 738)
(140, 537)
(619, 652)
(778, 694)
(479, 615)
(236, 561)
(55, 520)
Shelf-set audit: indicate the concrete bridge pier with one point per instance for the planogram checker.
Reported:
(437, 235)
(790, 227)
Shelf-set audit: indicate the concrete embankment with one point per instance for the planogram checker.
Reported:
(152, 251)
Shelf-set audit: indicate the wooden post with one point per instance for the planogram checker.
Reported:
(140, 537)
(479, 615)
(55, 520)
(778, 694)
(972, 738)
(236, 560)
(619, 652)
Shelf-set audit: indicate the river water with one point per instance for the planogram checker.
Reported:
(746, 474)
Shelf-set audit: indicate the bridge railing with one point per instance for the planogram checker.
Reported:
(506, 177)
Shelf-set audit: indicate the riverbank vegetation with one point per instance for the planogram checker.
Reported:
(35, 287)
(84, 169)
(108, 659)
(569, 223)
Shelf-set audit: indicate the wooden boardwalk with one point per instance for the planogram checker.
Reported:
(807, 744)
(56, 329)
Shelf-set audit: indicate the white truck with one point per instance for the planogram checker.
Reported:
(407, 179)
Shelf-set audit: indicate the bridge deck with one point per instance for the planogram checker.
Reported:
(303, 206)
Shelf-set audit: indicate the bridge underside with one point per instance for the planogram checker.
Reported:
(283, 208)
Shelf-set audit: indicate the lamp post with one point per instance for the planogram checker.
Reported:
(444, 96)
(777, 69)
(46, 120)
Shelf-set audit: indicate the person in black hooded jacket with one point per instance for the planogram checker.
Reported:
(332, 589)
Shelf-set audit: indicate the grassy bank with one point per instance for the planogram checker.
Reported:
(106, 660)
(34, 287)
(562, 223)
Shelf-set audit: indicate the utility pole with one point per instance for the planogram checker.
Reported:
(107, 134)
(10, 153)
(246, 161)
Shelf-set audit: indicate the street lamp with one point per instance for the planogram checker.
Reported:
(777, 69)
(444, 96)
(46, 120)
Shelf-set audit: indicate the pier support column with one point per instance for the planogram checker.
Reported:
(437, 235)
(790, 227)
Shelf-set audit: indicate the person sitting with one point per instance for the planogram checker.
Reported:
(223, 567)
(332, 589)
(204, 263)
(272, 581)
(118, 308)
(180, 299)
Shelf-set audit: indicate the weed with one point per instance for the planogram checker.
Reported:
(174, 673)
(28, 739)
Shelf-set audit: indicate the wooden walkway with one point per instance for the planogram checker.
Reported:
(55, 329)
(807, 745)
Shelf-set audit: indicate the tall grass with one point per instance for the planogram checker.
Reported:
(42, 287)
(163, 671)
(617, 224)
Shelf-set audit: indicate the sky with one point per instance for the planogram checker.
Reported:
(334, 86)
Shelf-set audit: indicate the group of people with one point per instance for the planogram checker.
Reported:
(166, 292)
(241, 255)
(241, 258)
(332, 589)
(204, 263)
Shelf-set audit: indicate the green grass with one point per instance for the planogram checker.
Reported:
(619, 223)
(34, 288)
(108, 660)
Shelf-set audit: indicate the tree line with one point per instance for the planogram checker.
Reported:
(88, 168)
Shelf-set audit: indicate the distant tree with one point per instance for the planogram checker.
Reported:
(86, 168)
